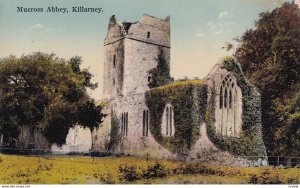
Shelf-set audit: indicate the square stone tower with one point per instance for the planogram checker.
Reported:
(130, 50)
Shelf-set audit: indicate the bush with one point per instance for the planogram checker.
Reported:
(154, 171)
(266, 177)
(128, 173)
(107, 178)
(253, 179)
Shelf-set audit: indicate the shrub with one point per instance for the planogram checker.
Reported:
(154, 171)
(253, 179)
(21, 173)
(266, 177)
(128, 173)
(107, 178)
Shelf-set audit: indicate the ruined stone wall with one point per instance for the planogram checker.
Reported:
(78, 140)
(158, 29)
(248, 141)
(134, 142)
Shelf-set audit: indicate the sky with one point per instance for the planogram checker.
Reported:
(199, 30)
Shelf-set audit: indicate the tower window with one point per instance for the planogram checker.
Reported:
(114, 81)
(114, 61)
(145, 122)
(148, 34)
(149, 78)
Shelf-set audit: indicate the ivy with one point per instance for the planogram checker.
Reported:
(114, 135)
(160, 75)
(189, 101)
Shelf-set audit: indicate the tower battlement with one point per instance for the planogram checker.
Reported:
(130, 52)
(149, 29)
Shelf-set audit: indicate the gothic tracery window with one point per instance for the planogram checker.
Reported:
(229, 107)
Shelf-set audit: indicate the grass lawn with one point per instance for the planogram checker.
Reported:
(123, 170)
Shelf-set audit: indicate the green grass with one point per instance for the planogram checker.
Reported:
(80, 170)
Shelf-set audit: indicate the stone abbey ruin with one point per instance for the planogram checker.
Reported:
(214, 120)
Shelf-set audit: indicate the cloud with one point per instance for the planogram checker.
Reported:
(217, 27)
(224, 14)
(39, 28)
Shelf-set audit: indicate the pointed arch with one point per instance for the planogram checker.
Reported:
(229, 109)
(167, 127)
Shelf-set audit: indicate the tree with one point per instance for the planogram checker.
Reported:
(160, 75)
(269, 55)
(46, 94)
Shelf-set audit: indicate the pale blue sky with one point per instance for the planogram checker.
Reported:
(198, 29)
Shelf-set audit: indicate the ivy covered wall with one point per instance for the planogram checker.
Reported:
(250, 142)
(188, 99)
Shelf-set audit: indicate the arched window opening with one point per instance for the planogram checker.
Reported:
(124, 124)
(145, 122)
(221, 97)
(225, 98)
(229, 123)
(114, 61)
(148, 34)
(167, 127)
(167, 121)
(230, 99)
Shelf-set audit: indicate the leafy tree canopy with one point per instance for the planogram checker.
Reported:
(46, 93)
(269, 55)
